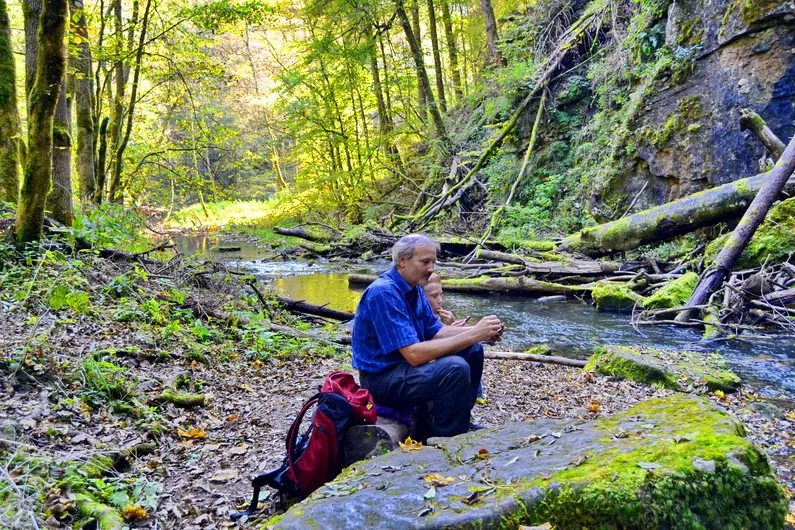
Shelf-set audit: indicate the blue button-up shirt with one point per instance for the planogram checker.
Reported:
(390, 316)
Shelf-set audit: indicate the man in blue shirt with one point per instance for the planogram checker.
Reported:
(405, 356)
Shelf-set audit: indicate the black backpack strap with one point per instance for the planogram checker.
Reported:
(261, 480)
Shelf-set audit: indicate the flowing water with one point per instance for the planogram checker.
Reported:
(570, 328)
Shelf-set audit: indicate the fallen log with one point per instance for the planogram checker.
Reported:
(706, 208)
(506, 355)
(780, 298)
(485, 284)
(322, 311)
(584, 267)
(302, 233)
(739, 238)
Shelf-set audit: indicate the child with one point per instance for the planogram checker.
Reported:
(433, 292)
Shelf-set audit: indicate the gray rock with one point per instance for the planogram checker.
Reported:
(366, 441)
(704, 466)
(499, 477)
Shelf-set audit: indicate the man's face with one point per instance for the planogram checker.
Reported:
(419, 267)
(433, 292)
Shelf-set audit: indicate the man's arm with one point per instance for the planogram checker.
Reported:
(451, 331)
(422, 352)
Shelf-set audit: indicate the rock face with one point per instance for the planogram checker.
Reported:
(676, 462)
(687, 137)
(678, 370)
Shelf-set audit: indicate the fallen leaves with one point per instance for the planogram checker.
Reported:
(410, 445)
(194, 433)
(133, 512)
(224, 475)
(439, 480)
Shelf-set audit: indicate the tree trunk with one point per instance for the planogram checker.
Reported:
(416, 52)
(301, 233)
(437, 58)
(114, 193)
(452, 48)
(9, 115)
(32, 13)
(120, 72)
(579, 267)
(660, 223)
(422, 96)
(769, 191)
(102, 154)
(486, 284)
(59, 200)
(50, 67)
(84, 104)
(494, 56)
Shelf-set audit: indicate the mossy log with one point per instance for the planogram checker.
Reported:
(181, 399)
(742, 234)
(300, 306)
(723, 203)
(484, 284)
(107, 518)
(753, 122)
(583, 267)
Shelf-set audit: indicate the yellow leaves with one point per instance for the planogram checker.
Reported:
(410, 445)
(482, 454)
(791, 415)
(593, 406)
(257, 364)
(133, 512)
(719, 393)
(246, 388)
(194, 433)
(439, 480)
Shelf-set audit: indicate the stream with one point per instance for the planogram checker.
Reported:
(571, 329)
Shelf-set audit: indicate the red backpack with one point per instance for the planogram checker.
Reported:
(316, 456)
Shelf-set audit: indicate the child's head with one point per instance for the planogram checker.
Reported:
(433, 292)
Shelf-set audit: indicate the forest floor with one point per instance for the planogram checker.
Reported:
(82, 365)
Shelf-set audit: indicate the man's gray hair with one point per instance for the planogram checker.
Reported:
(404, 248)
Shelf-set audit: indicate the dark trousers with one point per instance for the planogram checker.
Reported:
(450, 383)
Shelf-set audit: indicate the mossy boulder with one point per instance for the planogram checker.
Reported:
(615, 296)
(673, 294)
(675, 462)
(675, 369)
(773, 241)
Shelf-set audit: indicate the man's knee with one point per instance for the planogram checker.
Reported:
(453, 366)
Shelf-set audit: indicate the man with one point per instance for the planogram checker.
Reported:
(405, 356)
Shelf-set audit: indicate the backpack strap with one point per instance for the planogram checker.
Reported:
(292, 434)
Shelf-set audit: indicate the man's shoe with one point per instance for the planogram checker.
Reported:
(475, 427)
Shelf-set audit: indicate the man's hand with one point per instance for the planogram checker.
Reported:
(498, 337)
(488, 328)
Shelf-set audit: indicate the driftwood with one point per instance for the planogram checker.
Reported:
(502, 355)
(751, 121)
(300, 306)
(723, 203)
(484, 284)
(739, 238)
(302, 233)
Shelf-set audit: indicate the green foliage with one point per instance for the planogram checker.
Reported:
(110, 225)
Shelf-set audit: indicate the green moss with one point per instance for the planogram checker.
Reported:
(677, 370)
(612, 490)
(614, 296)
(673, 294)
(774, 240)
(542, 349)
(753, 10)
(106, 518)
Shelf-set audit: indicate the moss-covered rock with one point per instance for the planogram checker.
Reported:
(677, 462)
(774, 240)
(678, 370)
(615, 296)
(673, 294)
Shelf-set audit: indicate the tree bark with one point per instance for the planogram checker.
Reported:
(773, 185)
(102, 155)
(300, 306)
(494, 56)
(50, 67)
(580, 267)
(59, 200)
(120, 72)
(84, 104)
(437, 58)
(669, 220)
(452, 48)
(416, 53)
(751, 121)
(302, 233)
(9, 115)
